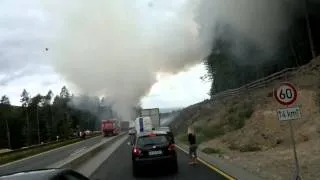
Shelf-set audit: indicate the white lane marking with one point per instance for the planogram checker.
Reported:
(95, 162)
(78, 151)
(71, 158)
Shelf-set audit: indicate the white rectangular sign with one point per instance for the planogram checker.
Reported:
(289, 113)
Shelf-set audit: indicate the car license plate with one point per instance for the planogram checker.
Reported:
(151, 153)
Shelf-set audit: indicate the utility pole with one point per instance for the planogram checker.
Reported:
(306, 13)
(8, 134)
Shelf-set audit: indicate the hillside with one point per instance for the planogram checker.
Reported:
(245, 131)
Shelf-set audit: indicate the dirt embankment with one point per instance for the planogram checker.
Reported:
(245, 130)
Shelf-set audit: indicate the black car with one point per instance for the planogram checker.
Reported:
(168, 131)
(45, 174)
(153, 148)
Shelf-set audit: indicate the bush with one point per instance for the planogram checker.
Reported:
(183, 138)
(250, 148)
(238, 114)
(200, 138)
(213, 131)
(233, 147)
(212, 151)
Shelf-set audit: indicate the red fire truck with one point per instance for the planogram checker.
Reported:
(110, 127)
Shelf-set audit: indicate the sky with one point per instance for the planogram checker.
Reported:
(24, 62)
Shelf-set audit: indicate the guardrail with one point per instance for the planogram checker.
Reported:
(256, 84)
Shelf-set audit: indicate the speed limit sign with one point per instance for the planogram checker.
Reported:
(285, 94)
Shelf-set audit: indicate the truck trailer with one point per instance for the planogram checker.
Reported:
(153, 114)
(124, 126)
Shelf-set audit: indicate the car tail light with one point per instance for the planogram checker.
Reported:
(136, 151)
(171, 147)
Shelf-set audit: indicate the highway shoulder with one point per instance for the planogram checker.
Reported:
(225, 169)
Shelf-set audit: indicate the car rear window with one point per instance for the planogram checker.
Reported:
(152, 140)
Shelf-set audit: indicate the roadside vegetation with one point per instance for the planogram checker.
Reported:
(244, 130)
(233, 119)
(41, 118)
(209, 150)
(237, 115)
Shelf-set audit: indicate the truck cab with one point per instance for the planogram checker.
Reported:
(109, 127)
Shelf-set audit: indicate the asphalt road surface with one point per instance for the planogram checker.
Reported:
(118, 166)
(46, 159)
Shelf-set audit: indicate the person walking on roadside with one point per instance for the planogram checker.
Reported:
(192, 146)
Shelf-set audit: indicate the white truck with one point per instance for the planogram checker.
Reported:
(149, 119)
(143, 124)
(154, 115)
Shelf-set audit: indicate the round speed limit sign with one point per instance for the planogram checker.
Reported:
(286, 94)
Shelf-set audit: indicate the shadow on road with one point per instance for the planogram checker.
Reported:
(156, 172)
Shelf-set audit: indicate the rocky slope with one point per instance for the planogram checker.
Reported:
(245, 130)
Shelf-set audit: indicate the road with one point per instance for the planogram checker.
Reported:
(118, 166)
(46, 159)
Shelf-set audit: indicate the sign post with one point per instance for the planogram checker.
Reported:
(286, 94)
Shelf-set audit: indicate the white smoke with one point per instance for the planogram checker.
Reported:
(116, 47)
(261, 21)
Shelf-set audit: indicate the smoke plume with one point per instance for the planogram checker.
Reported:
(115, 48)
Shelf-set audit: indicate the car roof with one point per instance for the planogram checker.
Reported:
(152, 132)
(39, 174)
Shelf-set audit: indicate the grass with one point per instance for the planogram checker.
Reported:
(183, 138)
(203, 133)
(213, 131)
(250, 148)
(245, 148)
(238, 114)
(208, 150)
(235, 118)
(13, 156)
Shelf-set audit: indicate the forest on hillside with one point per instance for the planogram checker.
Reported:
(43, 117)
(227, 70)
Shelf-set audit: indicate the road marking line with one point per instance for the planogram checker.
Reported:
(45, 152)
(78, 151)
(69, 159)
(211, 166)
(91, 165)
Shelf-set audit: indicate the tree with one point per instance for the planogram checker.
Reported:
(5, 103)
(39, 120)
(49, 114)
(25, 100)
(65, 110)
(64, 93)
(230, 65)
(36, 101)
